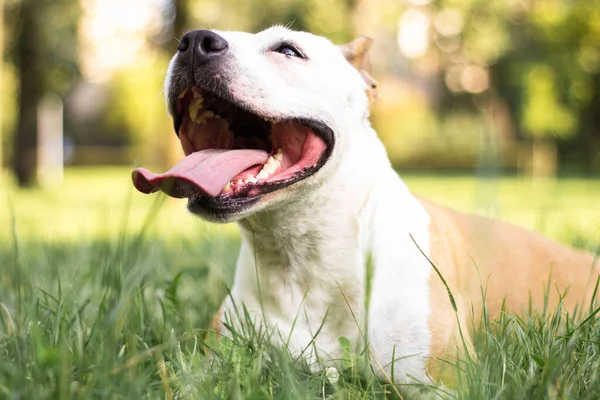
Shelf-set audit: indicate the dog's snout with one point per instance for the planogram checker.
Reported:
(202, 45)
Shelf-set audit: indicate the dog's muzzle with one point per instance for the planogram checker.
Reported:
(234, 155)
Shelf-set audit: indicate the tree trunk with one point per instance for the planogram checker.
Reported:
(30, 90)
(544, 159)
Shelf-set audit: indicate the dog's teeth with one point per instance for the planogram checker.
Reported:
(227, 187)
(194, 108)
(197, 101)
(193, 111)
(279, 155)
(251, 179)
(200, 119)
(182, 94)
(239, 182)
(197, 93)
(263, 174)
(268, 168)
(273, 162)
(272, 165)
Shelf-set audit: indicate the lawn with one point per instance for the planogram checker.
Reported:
(105, 293)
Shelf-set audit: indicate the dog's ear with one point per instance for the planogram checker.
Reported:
(356, 53)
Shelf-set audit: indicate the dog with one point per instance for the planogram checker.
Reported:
(275, 128)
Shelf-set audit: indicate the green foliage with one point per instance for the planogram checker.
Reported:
(543, 56)
(544, 354)
(543, 115)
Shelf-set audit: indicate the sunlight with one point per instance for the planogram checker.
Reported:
(413, 33)
(114, 34)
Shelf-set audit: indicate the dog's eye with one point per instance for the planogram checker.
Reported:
(289, 51)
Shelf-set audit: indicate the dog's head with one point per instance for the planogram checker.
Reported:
(262, 118)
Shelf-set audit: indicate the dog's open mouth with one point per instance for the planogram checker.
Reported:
(232, 153)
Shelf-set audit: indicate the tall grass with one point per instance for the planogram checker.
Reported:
(122, 313)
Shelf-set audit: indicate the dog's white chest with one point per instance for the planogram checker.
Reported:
(310, 285)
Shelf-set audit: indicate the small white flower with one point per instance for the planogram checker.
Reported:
(332, 374)
(266, 357)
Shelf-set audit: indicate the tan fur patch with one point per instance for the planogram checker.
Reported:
(510, 264)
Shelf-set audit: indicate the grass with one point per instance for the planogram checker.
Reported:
(106, 293)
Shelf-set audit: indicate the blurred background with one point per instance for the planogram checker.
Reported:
(486, 106)
(512, 84)
(484, 88)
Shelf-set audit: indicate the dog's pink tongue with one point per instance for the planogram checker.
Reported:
(207, 170)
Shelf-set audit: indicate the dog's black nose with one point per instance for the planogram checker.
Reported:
(202, 45)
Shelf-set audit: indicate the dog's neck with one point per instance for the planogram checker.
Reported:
(293, 239)
(318, 233)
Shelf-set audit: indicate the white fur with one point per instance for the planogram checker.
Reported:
(308, 244)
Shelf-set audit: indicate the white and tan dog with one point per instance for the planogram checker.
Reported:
(275, 128)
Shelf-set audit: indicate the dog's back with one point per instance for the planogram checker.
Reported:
(504, 260)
